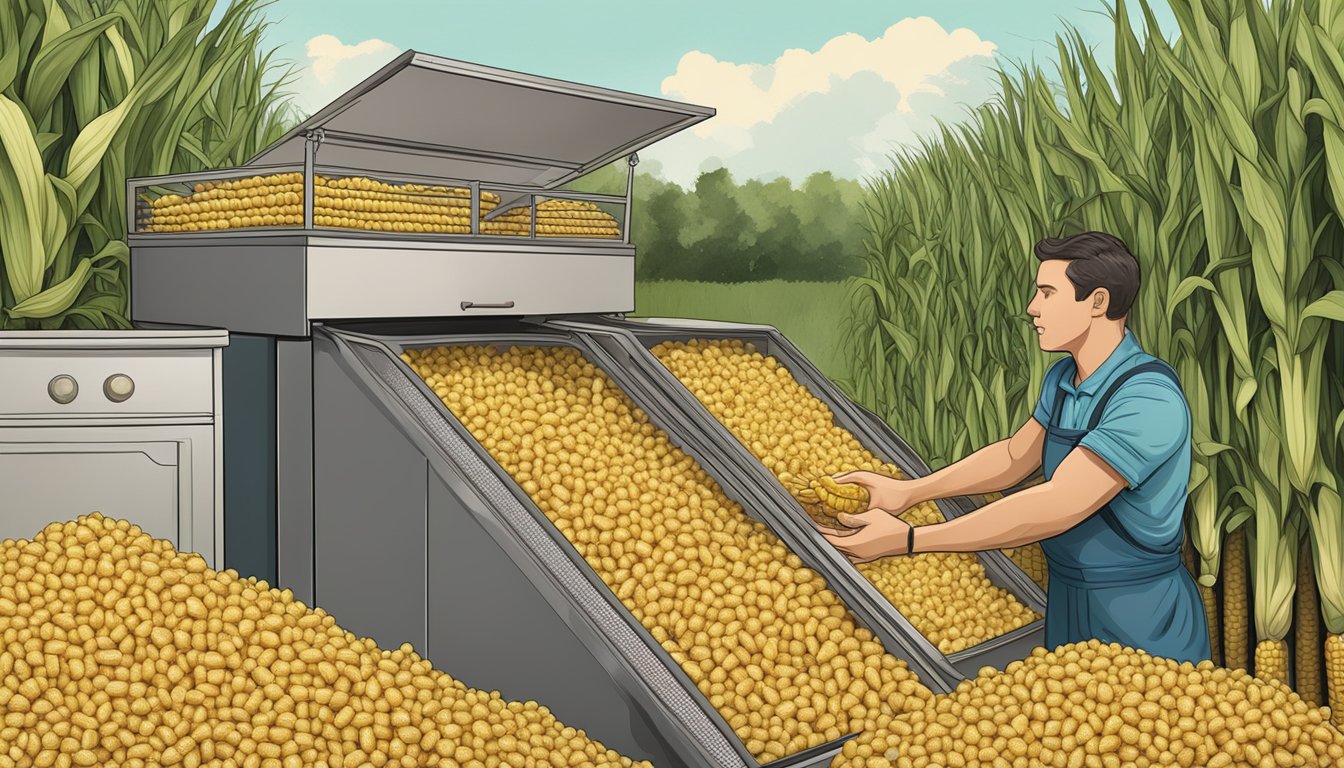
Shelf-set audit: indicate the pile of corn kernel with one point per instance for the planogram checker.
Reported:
(119, 651)
(1096, 704)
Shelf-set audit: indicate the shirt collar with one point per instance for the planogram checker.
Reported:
(1129, 346)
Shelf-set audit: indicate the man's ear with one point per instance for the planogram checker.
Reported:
(1101, 301)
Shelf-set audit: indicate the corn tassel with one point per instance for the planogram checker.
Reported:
(1271, 661)
(1308, 622)
(1236, 624)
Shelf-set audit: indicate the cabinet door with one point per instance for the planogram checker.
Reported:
(43, 483)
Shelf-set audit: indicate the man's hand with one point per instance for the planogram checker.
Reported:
(888, 493)
(871, 535)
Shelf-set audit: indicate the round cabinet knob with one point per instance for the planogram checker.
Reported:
(63, 389)
(118, 387)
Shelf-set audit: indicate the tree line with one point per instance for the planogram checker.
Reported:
(723, 231)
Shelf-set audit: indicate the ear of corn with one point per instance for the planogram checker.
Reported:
(1326, 519)
(841, 497)
(120, 651)
(1307, 644)
(1236, 616)
(1334, 677)
(1210, 600)
(1271, 661)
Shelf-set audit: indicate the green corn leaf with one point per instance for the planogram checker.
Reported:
(1244, 60)
(123, 54)
(9, 45)
(56, 22)
(1213, 448)
(1184, 290)
(114, 250)
(28, 199)
(92, 142)
(1329, 307)
(1239, 518)
(192, 146)
(58, 58)
(46, 140)
(56, 299)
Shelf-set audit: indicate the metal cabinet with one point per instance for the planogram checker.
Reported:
(122, 423)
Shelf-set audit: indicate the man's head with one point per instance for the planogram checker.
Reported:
(1083, 280)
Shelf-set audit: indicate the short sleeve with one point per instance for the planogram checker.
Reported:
(1049, 391)
(1144, 425)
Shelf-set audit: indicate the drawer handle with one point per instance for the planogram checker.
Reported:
(474, 305)
(63, 389)
(118, 388)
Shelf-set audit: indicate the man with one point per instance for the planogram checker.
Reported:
(1111, 433)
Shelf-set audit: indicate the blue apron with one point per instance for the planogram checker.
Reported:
(1108, 585)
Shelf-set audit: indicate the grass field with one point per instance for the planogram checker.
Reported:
(810, 314)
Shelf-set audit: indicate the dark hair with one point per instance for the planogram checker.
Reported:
(1096, 260)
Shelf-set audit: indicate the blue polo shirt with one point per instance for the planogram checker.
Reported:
(1144, 434)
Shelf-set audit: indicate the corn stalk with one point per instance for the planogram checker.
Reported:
(92, 91)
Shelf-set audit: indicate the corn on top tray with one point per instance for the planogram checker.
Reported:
(449, 124)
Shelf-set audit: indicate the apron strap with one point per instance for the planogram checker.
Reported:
(1108, 514)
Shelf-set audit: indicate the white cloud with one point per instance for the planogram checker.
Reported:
(843, 107)
(327, 53)
(334, 67)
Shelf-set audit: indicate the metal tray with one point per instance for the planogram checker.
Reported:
(638, 336)
(389, 347)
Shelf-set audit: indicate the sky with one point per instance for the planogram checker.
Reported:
(799, 87)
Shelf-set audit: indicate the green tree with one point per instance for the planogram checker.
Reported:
(717, 254)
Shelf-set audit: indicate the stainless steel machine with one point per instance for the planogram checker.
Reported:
(126, 423)
(352, 482)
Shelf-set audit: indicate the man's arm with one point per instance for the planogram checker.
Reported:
(992, 468)
(1081, 485)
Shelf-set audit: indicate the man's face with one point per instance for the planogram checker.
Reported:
(1060, 319)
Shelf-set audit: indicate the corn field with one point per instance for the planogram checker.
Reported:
(1219, 159)
(93, 92)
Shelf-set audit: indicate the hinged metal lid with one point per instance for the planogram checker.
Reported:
(432, 116)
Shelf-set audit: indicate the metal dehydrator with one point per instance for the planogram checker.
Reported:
(348, 480)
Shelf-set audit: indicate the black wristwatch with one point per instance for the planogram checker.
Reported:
(910, 541)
